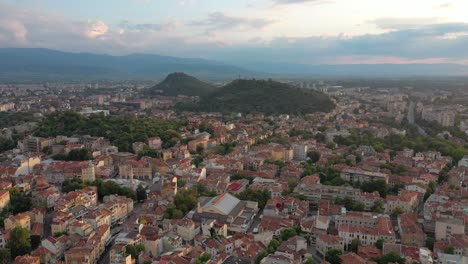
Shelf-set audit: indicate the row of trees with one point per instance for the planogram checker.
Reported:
(75, 155)
(104, 188)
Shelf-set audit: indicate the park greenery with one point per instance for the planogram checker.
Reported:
(104, 188)
(225, 148)
(184, 201)
(11, 118)
(74, 155)
(350, 204)
(120, 130)
(261, 196)
(391, 257)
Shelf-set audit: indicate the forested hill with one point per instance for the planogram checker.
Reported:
(179, 83)
(261, 96)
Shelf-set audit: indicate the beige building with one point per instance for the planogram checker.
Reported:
(326, 243)
(27, 260)
(187, 229)
(4, 198)
(355, 175)
(97, 218)
(88, 173)
(446, 227)
(383, 229)
(19, 220)
(406, 200)
(136, 169)
(80, 255)
(154, 142)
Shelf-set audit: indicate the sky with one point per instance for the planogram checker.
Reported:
(292, 31)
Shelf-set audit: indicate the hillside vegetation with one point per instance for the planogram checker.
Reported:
(121, 131)
(182, 84)
(260, 96)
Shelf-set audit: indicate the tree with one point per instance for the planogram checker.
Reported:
(148, 152)
(354, 245)
(19, 201)
(288, 233)
(274, 244)
(203, 258)
(200, 149)
(310, 261)
(320, 137)
(379, 185)
(378, 207)
(333, 256)
(390, 258)
(379, 243)
(181, 183)
(35, 241)
(314, 156)
(449, 250)
(429, 243)
(184, 201)
(20, 242)
(260, 256)
(141, 193)
(397, 211)
(261, 196)
(5, 256)
(134, 250)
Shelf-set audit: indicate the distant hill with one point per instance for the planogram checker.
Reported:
(23, 65)
(179, 83)
(260, 96)
(357, 70)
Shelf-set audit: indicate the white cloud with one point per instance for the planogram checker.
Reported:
(15, 29)
(96, 29)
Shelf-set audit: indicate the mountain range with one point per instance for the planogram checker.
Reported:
(33, 64)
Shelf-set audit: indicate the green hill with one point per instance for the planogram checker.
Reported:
(179, 83)
(260, 96)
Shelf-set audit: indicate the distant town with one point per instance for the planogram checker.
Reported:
(122, 172)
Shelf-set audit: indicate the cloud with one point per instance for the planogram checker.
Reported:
(13, 29)
(393, 23)
(405, 39)
(425, 43)
(286, 2)
(126, 25)
(444, 5)
(221, 21)
(96, 29)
